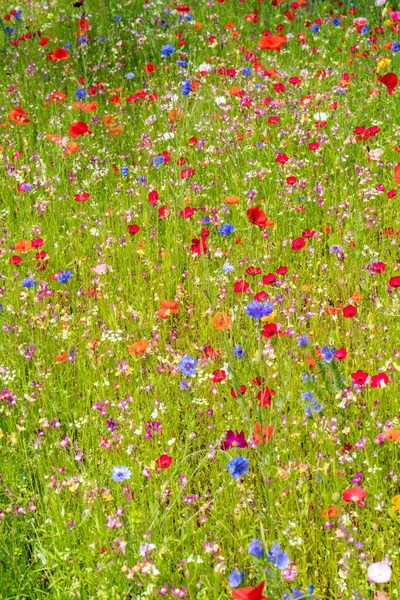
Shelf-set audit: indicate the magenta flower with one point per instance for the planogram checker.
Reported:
(234, 439)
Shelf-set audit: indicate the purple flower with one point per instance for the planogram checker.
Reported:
(234, 439)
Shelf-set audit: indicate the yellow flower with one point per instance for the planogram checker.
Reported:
(388, 22)
(396, 503)
(383, 63)
(270, 318)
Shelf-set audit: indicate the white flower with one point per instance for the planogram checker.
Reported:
(375, 154)
(205, 67)
(379, 572)
(320, 116)
(220, 100)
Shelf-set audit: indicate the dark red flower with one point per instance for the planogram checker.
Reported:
(241, 286)
(218, 375)
(264, 396)
(379, 267)
(269, 279)
(164, 461)
(377, 379)
(254, 271)
(282, 271)
(359, 377)
(257, 216)
(340, 354)
(298, 244)
(241, 390)
(133, 229)
(390, 81)
(153, 197)
(15, 260)
(269, 330)
(187, 212)
(307, 234)
(394, 282)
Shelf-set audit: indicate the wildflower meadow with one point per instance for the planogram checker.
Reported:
(200, 300)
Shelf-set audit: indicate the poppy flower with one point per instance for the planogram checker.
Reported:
(241, 286)
(164, 461)
(378, 380)
(281, 271)
(187, 212)
(272, 42)
(58, 54)
(392, 435)
(82, 196)
(22, 246)
(340, 354)
(257, 216)
(242, 391)
(359, 377)
(356, 494)
(249, 593)
(269, 279)
(390, 81)
(231, 200)
(153, 197)
(253, 270)
(379, 267)
(269, 330)
(394, 282)
(133, 229)
(78, 128)
(221, 321)
(19, 116)
(265, 395)
(331, 512)
(168, 307)
(218, 375)
(261, 296)
(262, 434)
(349, 311)
(298, 244)
(308, 234)
(138, 347)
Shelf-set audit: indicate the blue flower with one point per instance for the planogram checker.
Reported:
(238, 466)
(258, 310)
(188, 18)
(238, 352)
(181, 63)
(328, 355)
(18, 15)
(396, 47)
(125, 171)
(206, 220)
(308, 396)
(158, 160)
(121, 473)
(365, 29)
(336, 21)
(315, 28)
(226, 229)
(234, 578)
(117, 18)
(302, 339)
(82, 39)
(9, 30)
(279, 558)
(183, 385)
(228, 268)
(64, 276)
(167, 50)
(130, 75)
(80, 93)
(255, 549)
(246, 71)
(185, 88)
(28, 282)
(68, 45)
(336, 249)
(187, 366)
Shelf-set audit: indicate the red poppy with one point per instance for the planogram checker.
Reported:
(282, 271)
(390, 81)
(269, 279)
(15, 260)
(209, 352)
(133, 229)
(187, 212)
(254, 271)
(43, 41)
(261, 296)
(153, 197)
(241, 286)
(18, 115)
(242, 390)
(308, 234)
(377, 379)
(356, 494)
(313, 146)
(78, 128)
(218, 375)
(164, 461)
(359, 377)
(379, 267)
(269, 330)
(249, 593)
(349, 311)
(149, 68)
(298, 244)
(58, 54)
(291, 180)
(282, 159)
(82, 197)
(37, 243)
(267, 433)
(340, 354)
(272, 42)
(394, 282)
(265, 395)
(257, 216)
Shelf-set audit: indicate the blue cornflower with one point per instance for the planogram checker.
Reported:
(121, 473)
(246, 71)
(316, 406)
(302, 339)
(315, 28)
(83, 39)
(64, 276)
(187, 366)
(336, 21)
(258, 310)
(365, 29)
(234, 578)
(130, 75)
(226, 229)
(238, 466)
(336, 249)
(396, 47)
(185, 88)
(125, 171)
(255, 549)
(158, 160)
(328, 355)
(68, 45)
(238, 352)
(28, 282)
(183, 385)
(80, 93)
(141, 179)
(188, 18)
(163, 22)
(18, 15)
(206, 220)
(167, 50)
(9, 30)
(117, 18)
(279, 558)
(228, 268)
(307, 412)
(101, 38)
(181, 63)
(307, 396)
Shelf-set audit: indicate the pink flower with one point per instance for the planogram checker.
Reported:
(379, 572)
